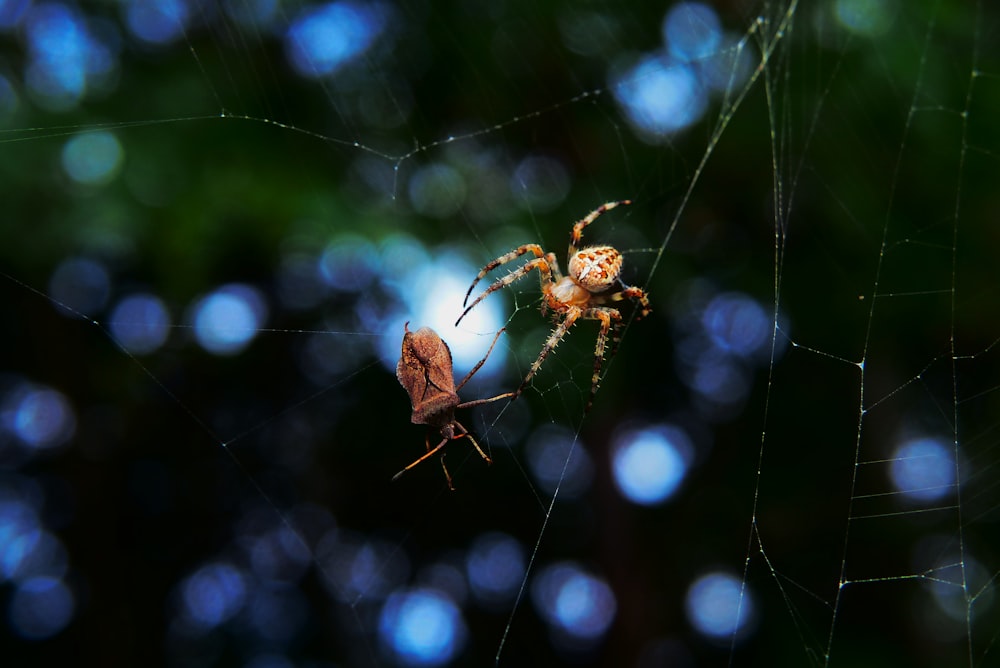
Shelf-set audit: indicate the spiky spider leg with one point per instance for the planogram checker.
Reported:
(577, 233)
(544, 265)
(637, 295)
(476, 368)
(554, 338)
(503, 259)
(605, 315)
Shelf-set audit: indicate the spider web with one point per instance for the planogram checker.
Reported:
(821, 359)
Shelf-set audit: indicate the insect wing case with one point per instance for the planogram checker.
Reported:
(425, 372)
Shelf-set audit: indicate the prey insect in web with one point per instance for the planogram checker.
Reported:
(425, 372)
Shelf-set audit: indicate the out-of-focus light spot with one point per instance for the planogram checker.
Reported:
(62, 55)
(277, 612)
(727, 68)
(869, 18)
(386, 274)
(649, 465)
(323, 39)
(421, 627)
(349, 263)
(555, 462)
(214, 594)
(402, 257)
(157, 21)
(691, 31)
(20, 529)
(923, 469)
(227, 320)
(11, 12)
(447, 578)
(437, 190)
(92, 158)
(277, 555)
(660, 97)
(720, 339)
(495, 567)
(433, 295)
(718, 607)
(140, 323)
(489, 182)
(574, 601)
(57, 44)
(40, 608)
(948, 592)
(359, 569)
(719, 380)
(33, 553)
(81, 285)
(38, 416)
(737, 324)
(540, 182)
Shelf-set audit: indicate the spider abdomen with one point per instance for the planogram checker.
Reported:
(596, 268)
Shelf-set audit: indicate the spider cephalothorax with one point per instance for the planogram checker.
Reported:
(583, 293)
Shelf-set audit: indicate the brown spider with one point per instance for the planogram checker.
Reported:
(425, 372)
(593, 271)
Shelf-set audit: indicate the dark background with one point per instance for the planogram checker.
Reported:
(853, 190)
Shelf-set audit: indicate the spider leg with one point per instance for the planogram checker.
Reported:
(478, 402)
(553, 277)
(628, 292)
(616, 338)
(638, 295)
(577, 233)
(539, 263)
(605, 315)
(481, 362)
(503, 259)
(554, 338)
